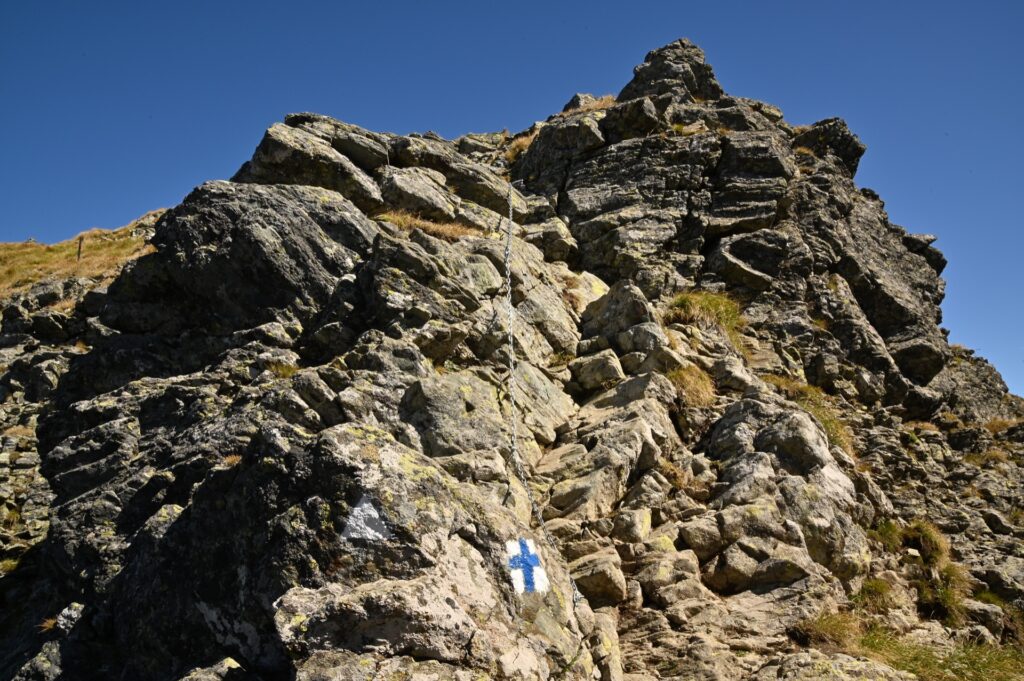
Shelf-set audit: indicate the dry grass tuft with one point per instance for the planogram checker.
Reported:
(941, 584)
(8, 565)
(820, 323)
(922, 426)
(941, 589)
(995, 426)
(20, 431)
(231, 460)
(560, 359)
(518, 145)
(451, 231)
(49, 624)
(814, 401)
(676, 476)
(947, 420)
(830, 630)
(965, 662)
(689, 129)
(282, 369)
(705, 308)
(66, 305)
(875, 596)
(693, 386)
(848, 633)
(888, 534)
(989, 457)
(942, 596)
(929, 541)
(103, 253)
(12, 519)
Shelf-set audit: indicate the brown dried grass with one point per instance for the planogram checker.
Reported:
(103, 253)
(519, 145)
(693, 386)
(450, 231)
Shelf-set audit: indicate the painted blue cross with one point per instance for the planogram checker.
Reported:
(527, 573)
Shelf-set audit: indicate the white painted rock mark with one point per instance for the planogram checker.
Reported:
(366, 522)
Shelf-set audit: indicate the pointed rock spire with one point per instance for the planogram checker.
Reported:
(677, 68)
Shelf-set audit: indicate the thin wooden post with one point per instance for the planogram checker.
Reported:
(80, 240)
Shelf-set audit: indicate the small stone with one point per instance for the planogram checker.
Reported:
(599, 577)
(69, 616)
(597, 371)
(632, 525)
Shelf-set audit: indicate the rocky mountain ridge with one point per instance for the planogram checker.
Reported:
(277, 447)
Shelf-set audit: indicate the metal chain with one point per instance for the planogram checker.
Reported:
(517, 463)
(511, 313)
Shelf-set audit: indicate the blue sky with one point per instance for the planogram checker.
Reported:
(113, 108)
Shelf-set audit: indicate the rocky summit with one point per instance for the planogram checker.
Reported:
(277, 444)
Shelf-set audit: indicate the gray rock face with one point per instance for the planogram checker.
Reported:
(756, 205)
(289, 155)
(418, 190)
(671, 69)
(976, 391)
(278, 445)
(815, 665)
(250, 253)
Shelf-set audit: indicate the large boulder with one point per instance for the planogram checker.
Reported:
(289, 155)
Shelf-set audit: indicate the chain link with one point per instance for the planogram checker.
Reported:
(517, 463)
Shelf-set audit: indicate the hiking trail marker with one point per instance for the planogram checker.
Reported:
(528, 574)
(366, 522)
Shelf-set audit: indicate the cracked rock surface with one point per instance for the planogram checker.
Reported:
(277, 447)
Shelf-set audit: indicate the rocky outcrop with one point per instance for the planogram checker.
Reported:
(278, 446)
(712, 190)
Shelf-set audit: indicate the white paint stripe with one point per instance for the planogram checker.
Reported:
(518, 582)
(540, 580)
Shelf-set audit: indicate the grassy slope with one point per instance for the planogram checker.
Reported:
(103, 252)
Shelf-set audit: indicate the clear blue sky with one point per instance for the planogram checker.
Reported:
(110, 109)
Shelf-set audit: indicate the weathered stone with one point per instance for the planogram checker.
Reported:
(439, 407)
(622, 307)
(678, 68)
(290, 156)
(702, 536)
(553, 238)
(812, 665)
(597, 371)
(368, 150)
(599, 577)
(832, 136)
(418, 190)
(632, 525)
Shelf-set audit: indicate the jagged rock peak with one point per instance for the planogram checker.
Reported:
(677, 68)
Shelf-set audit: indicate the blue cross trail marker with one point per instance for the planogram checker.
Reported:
(524, 564)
